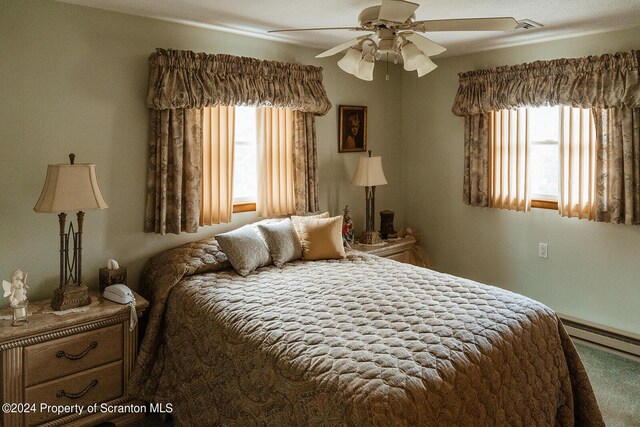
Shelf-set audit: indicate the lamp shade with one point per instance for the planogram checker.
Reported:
(70, 188)
(427, 66)
(349, 63)
(369, 172)
(365, 68)
(412, 57)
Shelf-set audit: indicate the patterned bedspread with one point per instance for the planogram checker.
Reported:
(362, 341)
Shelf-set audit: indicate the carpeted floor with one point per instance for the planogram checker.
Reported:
(616, 383)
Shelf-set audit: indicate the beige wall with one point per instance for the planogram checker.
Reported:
(593, 269)
(73, 79)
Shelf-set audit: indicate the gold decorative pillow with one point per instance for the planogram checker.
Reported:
(321, 238)
(298, 220)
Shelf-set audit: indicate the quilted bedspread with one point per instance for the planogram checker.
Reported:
(362, 341)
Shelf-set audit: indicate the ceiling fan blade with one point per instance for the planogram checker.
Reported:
(470, 24)
(318, 29)
(396, 10)
(428, 47)
(339, 48)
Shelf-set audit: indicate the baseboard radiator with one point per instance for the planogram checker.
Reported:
(623, 342)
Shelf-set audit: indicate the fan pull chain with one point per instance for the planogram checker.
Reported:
(387, 65)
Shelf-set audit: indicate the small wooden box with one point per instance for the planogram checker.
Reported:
(111, 277)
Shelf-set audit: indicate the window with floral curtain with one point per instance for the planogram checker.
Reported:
(599, 146)
(181, 85)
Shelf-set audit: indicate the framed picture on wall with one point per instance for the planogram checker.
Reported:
(352, 129)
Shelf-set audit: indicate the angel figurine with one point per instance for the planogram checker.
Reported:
(16, 290)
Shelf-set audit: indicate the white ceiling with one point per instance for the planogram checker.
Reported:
(561, 18)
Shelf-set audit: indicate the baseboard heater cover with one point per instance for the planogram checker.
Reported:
(622, 341)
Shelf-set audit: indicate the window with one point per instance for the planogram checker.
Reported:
(245, 179)
(544, 140)
(543, 157)
(247, 162)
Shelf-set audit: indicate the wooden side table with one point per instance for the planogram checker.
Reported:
(71, 359)
(404, 250)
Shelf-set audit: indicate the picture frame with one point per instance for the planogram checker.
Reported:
(352, 128)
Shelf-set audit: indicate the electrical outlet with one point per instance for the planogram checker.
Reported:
(542, 250)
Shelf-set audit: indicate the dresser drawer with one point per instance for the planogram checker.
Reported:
(76, 353)
(86, 388)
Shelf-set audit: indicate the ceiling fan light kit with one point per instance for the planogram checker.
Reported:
(393, 31)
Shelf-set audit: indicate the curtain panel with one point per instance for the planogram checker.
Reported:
(173, 176)
(185, 79)
(476, 160)
(618, 165)
(577, 163)
(305, 163)
(275, 165)
(610, 80)
(218, 135)
(509, 148)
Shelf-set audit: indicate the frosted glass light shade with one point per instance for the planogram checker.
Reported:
(369, 172)
(427, 66)
(351, 59)
(365, 68)
(70, 188)
(412, 57)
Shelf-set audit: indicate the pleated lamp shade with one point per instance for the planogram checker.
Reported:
(369, 172)
(70, 188)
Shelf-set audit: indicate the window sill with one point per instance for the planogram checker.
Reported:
(244, 207)
(544, 204)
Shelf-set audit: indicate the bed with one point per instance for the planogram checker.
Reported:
(362, 341)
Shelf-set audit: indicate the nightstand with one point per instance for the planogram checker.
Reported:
(404, 250)
(71, 359)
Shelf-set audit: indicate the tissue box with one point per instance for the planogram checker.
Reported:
(111, 277)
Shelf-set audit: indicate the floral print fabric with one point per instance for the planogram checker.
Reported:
(184, 79)
(173, 176)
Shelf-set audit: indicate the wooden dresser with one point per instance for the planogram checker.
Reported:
(66, 362)
(404, 250)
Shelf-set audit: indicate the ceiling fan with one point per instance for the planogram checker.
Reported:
(392, 30)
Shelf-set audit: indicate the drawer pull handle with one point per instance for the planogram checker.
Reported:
(77, 395)
(61, 353)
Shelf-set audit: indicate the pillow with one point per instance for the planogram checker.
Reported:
(244, 249)
(321, 238)
(282, 241)
(297, 221)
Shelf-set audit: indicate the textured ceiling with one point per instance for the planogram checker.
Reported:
(561, 18)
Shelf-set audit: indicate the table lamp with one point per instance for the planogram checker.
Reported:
(70, 188)
(369, 174)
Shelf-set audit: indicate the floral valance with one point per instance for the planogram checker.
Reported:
(185, 79)
(605, 81)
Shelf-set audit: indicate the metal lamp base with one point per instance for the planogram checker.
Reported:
(370, 238)
(71, 296)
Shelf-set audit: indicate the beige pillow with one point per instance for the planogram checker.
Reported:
(321, 238)
(244, 249)
(297, 221)
(282, 241)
